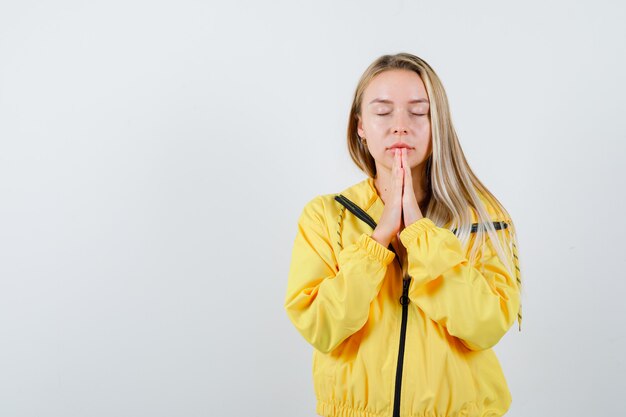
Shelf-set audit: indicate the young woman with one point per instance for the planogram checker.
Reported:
(404, 281)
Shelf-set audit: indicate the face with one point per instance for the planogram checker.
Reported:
(395, 109)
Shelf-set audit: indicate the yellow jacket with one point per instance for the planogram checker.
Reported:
(384, 349)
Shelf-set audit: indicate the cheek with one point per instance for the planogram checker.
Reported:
(376, 124)
(423, 124)
(423, 133)
(377, 150)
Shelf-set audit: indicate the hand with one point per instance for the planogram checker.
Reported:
(410, 209)
(390, 222)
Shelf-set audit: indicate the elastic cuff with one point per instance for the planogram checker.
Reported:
(409, 233)
(378, 251)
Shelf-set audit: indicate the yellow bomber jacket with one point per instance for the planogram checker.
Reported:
(387, 347)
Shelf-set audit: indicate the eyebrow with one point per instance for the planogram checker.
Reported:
(382, 100)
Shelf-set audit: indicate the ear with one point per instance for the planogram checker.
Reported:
(359, 126)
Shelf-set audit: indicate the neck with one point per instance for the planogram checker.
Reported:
(382, 181)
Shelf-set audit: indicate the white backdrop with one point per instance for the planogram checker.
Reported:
(155, 157)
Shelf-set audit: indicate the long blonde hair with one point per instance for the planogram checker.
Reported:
(451, 183)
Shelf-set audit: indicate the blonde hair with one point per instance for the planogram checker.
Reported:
(454, 188)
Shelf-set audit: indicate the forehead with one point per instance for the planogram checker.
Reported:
(397, 85)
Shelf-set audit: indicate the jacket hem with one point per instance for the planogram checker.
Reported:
(335, 410)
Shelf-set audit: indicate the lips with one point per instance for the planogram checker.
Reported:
(400, 145)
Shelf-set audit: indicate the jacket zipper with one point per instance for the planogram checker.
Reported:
(404, 301)
(356, 210)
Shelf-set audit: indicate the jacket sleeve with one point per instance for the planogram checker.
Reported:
(477, 304)
(329, 300)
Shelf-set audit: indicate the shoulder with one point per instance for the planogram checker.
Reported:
(320, 207)
(495, 210)
(326, 206)
(316, 221)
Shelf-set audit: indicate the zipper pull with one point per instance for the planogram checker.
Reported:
(404, 299)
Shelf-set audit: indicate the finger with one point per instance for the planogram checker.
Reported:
(398, 179)
(408, 180)
(405, 162)
(398, 161)
(404, 183)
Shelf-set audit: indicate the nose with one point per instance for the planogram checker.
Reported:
(400, 131)
(400, 124)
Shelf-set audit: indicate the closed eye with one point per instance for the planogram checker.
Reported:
(414, 114)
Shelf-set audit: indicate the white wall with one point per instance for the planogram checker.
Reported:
(155, 157)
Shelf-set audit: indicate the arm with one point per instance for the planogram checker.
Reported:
(478, 308)
(325, 303)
